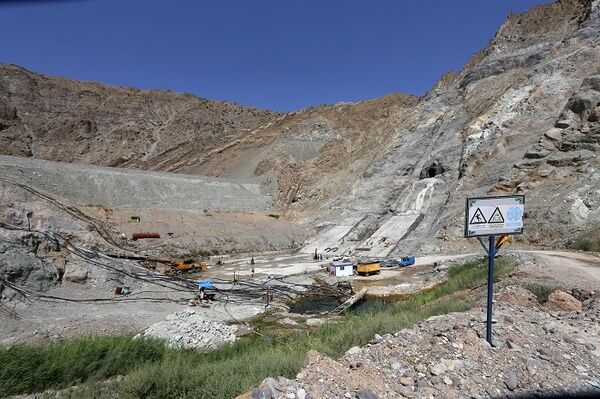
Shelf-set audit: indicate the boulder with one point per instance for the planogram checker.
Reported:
(288, 322)
(75, 273)
(532, 365)
(561, 301)
(259, 393)
(563, 123)
(567, 119)
(406, 381)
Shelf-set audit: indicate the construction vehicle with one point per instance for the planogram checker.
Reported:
(407, 261)
(501, 241)
(167, 266)
(401, 262)
(188, 265)
(368, 268)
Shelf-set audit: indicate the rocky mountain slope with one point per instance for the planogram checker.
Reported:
(389, 174)
(71, 121)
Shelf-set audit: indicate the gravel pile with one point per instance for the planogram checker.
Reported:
(536, 350)
(189, 330)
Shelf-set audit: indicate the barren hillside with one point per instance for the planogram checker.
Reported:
(71, 121)
(389, 174)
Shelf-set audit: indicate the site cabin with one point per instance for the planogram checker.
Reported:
(368, 268)
(341, 269)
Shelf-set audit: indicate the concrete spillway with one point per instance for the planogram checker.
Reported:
(384, 240)
(333, 237)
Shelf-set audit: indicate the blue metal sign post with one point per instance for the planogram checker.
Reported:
(490, 288)
(491, 217)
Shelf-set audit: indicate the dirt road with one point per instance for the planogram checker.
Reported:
(571, 268)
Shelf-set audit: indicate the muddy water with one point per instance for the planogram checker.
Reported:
(314, 305)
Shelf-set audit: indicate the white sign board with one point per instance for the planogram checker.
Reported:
(488, 216)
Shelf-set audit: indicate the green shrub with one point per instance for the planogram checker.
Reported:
(541, 291)
(589, 240)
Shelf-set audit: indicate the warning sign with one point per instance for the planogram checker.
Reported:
(487, 216)
(478, 218)
(496, 216)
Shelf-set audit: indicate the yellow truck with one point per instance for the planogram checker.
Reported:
(368, 268)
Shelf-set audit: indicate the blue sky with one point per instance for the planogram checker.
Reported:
(275, 54)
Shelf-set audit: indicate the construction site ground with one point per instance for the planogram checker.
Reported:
(40, 320)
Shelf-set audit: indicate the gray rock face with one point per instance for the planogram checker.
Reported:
(478, 138)
(504, 64)
(21, 265)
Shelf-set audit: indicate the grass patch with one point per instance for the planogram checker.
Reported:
(541, 291)
(153, 371)
(589, 240)
(26, 369)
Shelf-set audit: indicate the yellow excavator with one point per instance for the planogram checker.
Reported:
(188, 265)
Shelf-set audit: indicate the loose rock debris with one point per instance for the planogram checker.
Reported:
(189, 330)
(535, 350)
